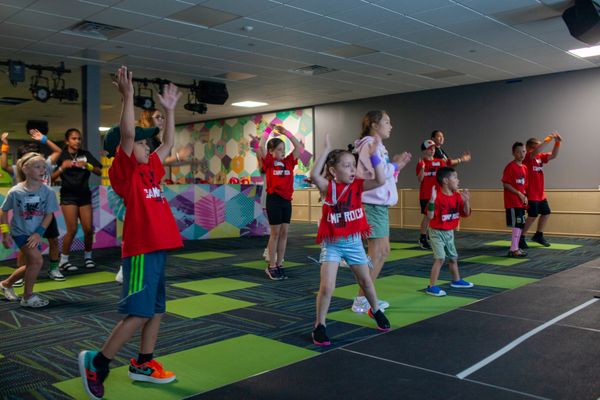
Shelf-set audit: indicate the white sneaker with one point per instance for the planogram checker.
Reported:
(34, 301)
(360, 305)
(55, 275)
(19, 283)
(9, 293)
(119, 276)
(382, 304)
(266, 255)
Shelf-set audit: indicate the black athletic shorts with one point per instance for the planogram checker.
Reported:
(538, 208)
(76, 199)
(515, 217)
(279, 210)
(52, 229)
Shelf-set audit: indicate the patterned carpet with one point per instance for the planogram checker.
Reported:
(218, 295)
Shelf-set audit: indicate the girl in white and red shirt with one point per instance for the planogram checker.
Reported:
(341, 230)
(279, 172)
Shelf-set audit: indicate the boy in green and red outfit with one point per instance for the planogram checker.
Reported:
(149, 229)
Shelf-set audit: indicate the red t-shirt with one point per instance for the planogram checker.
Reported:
(346, 217)
(516, 176)
(535, 173)
(149, 224)
(429, 176)
(280, 175)
(448, 210)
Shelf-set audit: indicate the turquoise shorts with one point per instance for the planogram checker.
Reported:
(442, 244)
(350, 249)
(379, 220)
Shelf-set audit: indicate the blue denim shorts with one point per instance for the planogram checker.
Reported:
(144, 285)
(21, 240)
(350, 249)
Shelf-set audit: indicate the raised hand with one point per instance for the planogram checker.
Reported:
(4, 138)
(402, 159)
(557, 137)
(466, 195)
(466, 156)
(35, 134)
(124, 81)
(169, 97)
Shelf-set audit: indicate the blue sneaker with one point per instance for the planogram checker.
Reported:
(91, 377)
(435, 291)
(461, 284)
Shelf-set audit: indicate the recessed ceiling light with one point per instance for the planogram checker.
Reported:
(249, 104)
(103, 128)
(586, 51)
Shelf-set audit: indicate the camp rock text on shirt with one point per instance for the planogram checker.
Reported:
(349, 216)
(153, 193)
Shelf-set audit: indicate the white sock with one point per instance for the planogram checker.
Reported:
(87, 254)
(64, 258)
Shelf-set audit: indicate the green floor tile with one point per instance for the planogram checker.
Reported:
(72, 281)
(310, 234)
(1, 356)
(215, 285)
(554, 246)
(405, 309)
(262, 264)
(493, 260)
(404, 254)
(204, 255)
(5, 271)
(500, 281)
(388, 287)
(402, 246)
(200, 369)
(207, 304)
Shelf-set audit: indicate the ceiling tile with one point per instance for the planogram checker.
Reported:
(204, 16)
(283, 16)
(240, 7)
(7, 42)
(491, 7)
(171, 28)
(326, 7)
(366, 15)
(122, 18)
(323, 26)
(53, 49)
(6, 11)
(67, 8)
(162, 8)
(446, 15)
(411, 7)
(212, 36)
(357, 35)
(241, 26)
(25, 32)
(41, 20)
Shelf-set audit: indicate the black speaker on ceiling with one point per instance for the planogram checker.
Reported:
(41, 126)
(583, 21)
(211, 92)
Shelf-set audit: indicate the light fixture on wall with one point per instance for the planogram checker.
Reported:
(194, 105)
(144, 102)
(249, 104)
(39, 88)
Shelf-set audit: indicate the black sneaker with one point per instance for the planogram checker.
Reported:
(319, 336)
(382, 322)
(272, 273)
(424, 244)
(281, 272)
(523, 243)
(540, 239)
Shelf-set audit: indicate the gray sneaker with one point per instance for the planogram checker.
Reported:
(9, 293)
(55, 275)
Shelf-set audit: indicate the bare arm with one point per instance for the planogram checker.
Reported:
(378, 165)
(4, 156)
(465, 157)
(124, 83)
(421, 174)
(431, 203)
(38, 136)
(168, 100)
(315, 174)
(298, 147)
(466, 196)
(557, 142)
(512, 189)
(262, 144)
(6, 238)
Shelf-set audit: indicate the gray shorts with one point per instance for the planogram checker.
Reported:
(442, 244)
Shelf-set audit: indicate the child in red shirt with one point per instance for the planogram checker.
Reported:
(148, 230)
(444, 210)
(536, 198)
(342, 227)
(279, 171)
(514, 180)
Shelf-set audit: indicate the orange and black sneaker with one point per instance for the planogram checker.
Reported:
(151, 371)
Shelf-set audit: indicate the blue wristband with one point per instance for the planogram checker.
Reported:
(396, 166)
(44, 139)
(40, 230)
(375, 160)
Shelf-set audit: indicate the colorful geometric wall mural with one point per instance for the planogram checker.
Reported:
(224, 148)
(202, 211)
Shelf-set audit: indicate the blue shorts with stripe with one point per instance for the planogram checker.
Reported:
(144, 286)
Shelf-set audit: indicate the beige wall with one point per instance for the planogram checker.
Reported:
(574, 212)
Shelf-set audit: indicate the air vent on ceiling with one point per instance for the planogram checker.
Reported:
(13, 101)
(96, 30)
(313, 70)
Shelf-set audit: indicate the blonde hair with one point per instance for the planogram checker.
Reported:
(27, 159)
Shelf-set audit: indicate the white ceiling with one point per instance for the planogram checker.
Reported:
(481, 40)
